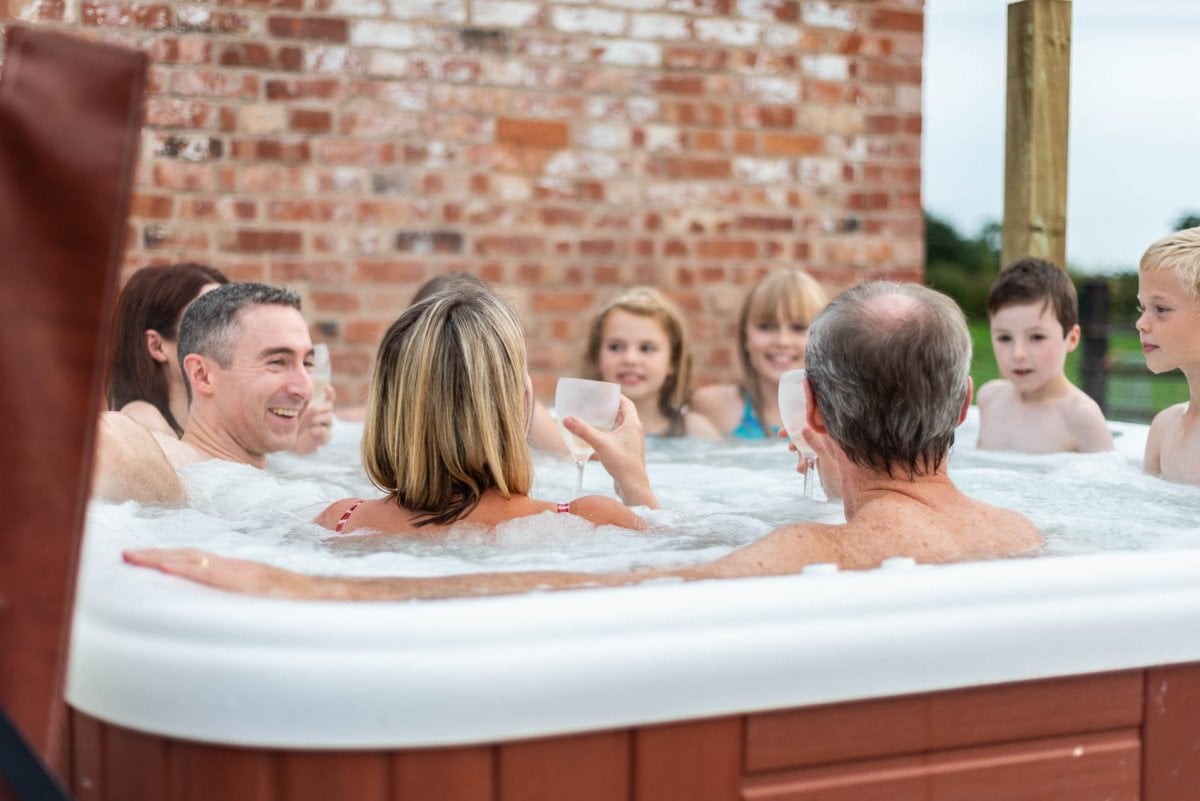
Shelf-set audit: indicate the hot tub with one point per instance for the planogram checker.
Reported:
(1059, 677)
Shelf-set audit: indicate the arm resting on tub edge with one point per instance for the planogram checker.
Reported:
(782, 552)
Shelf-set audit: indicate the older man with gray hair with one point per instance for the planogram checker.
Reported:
(888, 381)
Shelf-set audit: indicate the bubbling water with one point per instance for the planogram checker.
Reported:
(715, 497)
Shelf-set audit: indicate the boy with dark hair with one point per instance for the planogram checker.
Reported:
(1035, 408)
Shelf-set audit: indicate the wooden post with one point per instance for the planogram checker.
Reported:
(1035, 149)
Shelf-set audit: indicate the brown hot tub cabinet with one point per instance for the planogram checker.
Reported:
(1116, 736)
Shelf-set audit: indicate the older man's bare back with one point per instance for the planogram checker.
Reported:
(941, 526)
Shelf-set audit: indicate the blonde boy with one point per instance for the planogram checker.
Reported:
(1035, 408)
(1169, 327)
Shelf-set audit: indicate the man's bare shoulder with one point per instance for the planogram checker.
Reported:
(785, 550)
(948, 527)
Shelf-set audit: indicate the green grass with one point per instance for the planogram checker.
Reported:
(1134, 397)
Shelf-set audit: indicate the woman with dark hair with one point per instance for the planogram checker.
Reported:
(144, 378)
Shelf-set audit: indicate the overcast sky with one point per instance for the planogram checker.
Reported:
(1134, 163)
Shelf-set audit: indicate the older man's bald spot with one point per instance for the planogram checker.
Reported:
(894, 309)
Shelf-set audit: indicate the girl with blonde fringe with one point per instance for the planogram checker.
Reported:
(772, 334)
(638, 340)
(446, 422)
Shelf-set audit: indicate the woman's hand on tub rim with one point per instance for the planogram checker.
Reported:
(622, 451)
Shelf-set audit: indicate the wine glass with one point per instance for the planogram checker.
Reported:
(793, 412)
(321, 373)
(593, 402)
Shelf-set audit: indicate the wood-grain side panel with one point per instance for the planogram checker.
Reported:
(1094, 767)
(446, 774)
(329, 775)
(1172, 734)
(953, 719)
(695, 761)
(589, 767)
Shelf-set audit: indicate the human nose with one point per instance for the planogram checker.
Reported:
(1142, 325)
(300, 383)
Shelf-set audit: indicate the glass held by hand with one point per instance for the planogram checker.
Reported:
(793, 413)
(595, 403)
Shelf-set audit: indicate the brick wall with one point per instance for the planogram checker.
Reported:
(562, 149)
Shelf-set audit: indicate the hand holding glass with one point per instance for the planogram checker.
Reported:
(321, 373)
(595, 403)
(793, 412)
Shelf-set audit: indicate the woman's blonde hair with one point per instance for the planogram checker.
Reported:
(783, 294)
(446, 413)
(648, 302)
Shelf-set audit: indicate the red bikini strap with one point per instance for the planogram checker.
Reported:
(342, 522)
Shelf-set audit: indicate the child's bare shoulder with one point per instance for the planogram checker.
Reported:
(1086, 421)
(1169, 419)
(993, 390)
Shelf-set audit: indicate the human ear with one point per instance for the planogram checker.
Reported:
(199, 373)
(154, 345)
(962, 415)
(815, 420)
(1073, 338)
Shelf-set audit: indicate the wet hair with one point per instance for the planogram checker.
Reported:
(888, 364)
(210, 324)
(1180, 253)
(446, 412)
(153, 299)
(648, 302)
(446, 280)
(1030, 280)
(792, 295)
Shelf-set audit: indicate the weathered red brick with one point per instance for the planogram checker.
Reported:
(391, 272)
(365, 332)
(169, 112)
(888, 19)
(533, 133)
(563, 301)
(501, 245)
(310, 121)
(270, 150)
(162, 238)
(778, 144)
(320, 29)
(264, 241)
(151, 207)
(125, 15)
(327, 272)
(684, 168)
(678, 85)
(255, 54)
(302, 89)
(334, 301)
(184, 177)
(888, 72)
